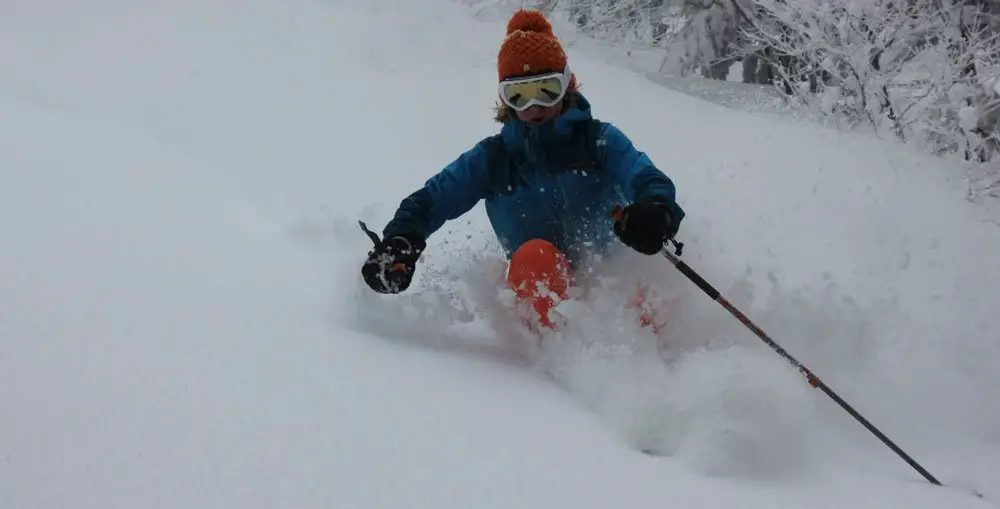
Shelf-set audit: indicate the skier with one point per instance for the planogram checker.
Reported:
(549, 180)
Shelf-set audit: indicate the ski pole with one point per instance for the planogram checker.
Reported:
(814, 380)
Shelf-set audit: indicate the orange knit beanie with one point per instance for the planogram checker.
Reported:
(531, 48)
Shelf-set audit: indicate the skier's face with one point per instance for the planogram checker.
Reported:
(537, 115)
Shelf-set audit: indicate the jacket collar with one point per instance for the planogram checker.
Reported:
(517, 135)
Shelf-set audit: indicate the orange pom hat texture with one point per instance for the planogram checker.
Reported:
(531, 48)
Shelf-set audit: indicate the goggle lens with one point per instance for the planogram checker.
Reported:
(545, 90)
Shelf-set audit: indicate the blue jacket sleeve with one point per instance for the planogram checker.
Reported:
(633, 171)
(447, 195)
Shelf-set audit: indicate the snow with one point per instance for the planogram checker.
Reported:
(968, 117)
(182, 322)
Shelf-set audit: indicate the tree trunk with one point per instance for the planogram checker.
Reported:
(750, 63)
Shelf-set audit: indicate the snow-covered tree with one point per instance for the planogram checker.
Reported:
(922, 68)
(708, 41)
(642, 22)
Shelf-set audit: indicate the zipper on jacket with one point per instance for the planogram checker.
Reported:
(533, 158)
(565, 205)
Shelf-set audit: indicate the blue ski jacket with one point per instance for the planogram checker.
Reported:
(558, 182)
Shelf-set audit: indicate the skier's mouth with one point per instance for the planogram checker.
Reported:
(536, 120)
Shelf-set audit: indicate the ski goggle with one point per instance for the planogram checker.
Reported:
(542, 90)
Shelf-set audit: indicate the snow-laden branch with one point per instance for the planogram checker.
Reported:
(913, 68)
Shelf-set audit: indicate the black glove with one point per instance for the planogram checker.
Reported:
(390, 264)
(645, 226)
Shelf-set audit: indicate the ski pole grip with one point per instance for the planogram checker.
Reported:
(697, 279)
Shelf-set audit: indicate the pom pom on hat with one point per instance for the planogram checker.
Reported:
(529, 21)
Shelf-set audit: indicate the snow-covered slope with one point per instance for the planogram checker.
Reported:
(182, 322)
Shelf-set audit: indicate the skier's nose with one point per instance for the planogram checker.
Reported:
(536, 110)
